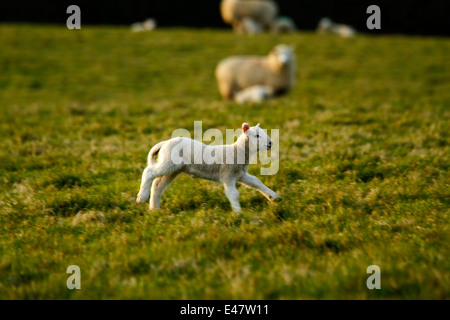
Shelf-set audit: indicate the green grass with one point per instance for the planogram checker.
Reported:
(364, 162)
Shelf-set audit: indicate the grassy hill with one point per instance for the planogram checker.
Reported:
(364, 168)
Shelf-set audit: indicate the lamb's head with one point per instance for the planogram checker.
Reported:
(282, 57)
(257, 137)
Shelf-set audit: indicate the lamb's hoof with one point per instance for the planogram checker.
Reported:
(276, 198)
(139, 199)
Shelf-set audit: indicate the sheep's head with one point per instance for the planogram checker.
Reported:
(325, 24)
(282, 57)
(258, 138)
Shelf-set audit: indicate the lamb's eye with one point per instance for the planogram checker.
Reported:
(257, 135)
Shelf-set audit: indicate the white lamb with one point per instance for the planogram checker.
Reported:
(262, 12)
(226, 164)
(275, 73)
(254, 94)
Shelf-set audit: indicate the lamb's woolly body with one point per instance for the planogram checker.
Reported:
(254, 94)
(237, 73)
(262, 12)
(202, 162)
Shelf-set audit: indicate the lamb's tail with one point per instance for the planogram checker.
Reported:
(153, 152)
(147, 175)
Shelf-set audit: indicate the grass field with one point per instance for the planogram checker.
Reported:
(364, 161)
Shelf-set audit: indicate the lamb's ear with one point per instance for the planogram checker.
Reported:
(257, 125)
(245, 127)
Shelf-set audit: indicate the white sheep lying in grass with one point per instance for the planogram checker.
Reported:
(328, 26)
(147, 25)
(262, 12)
(274, 74)
(226, 164)
(254, 94)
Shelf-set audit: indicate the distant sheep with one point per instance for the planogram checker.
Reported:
(275, 71)
(147, 25)
(251, 27)
(261, 12)
(328, 26)
(161, 172)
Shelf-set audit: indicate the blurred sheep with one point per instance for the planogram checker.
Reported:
(251, 27)
(262, 12)
(328, 26)
(274, 74)
(147, 25)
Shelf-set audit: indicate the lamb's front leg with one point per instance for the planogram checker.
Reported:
(233, 195)
(254, 182)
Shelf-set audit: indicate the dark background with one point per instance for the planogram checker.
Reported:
(397, 16)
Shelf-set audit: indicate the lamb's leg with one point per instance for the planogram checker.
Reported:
(233, 195)
(158, 187)
(254, 182)
(153, 172)
(144, 191)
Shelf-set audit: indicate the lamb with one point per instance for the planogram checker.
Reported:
(261, 12)
(254, 94)
(275, 71)
(228, 165)
(328, 26)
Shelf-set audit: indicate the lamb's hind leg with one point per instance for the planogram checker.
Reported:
(146, 182)
(158, 187)
(152, 172)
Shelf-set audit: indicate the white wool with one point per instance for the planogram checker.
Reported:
(254, 94)
(147, 25)
(343, 30)
(262, 12)
(327, 26)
